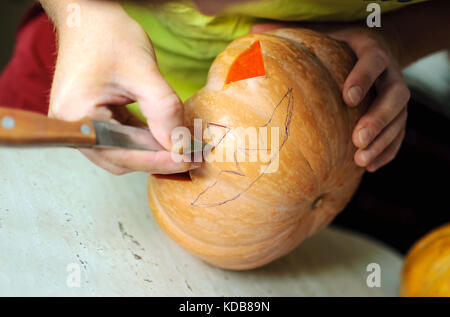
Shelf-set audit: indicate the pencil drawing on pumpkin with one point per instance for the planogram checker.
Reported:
(280, 117)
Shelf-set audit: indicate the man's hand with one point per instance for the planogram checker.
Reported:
(103, 64)
(379, 133)
(381, 53)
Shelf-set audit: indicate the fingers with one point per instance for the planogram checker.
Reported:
(380, 130)
(389, 153)
(106, 165)
(122, 115)
(371, 154)
(393, 96)
(116, 161)
(160, 105)
(372, 62)
(121, 161)
(90, 83)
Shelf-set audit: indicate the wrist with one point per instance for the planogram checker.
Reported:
(83, 15)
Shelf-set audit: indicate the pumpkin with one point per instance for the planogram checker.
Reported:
(426, 270)
(237, 214)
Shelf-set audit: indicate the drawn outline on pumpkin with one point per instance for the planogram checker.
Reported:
(289, 112)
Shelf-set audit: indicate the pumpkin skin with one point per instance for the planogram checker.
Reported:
(236, 216)
(426, 270)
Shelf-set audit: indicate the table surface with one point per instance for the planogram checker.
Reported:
(60, 215)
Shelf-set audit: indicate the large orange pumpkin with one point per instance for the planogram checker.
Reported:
(426, 270)
(241, 215)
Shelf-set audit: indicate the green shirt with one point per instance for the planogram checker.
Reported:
(186, 41)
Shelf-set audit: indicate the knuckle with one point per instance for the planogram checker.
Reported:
(57, 111)
(117, 171)
(378, 123)
(400, 141)
(366, 80)
(404, 117)
(407, 93)
(390, 155)
(378, 147)
(125, 158)
(380, 56)
(368, 44)
(401, 91)
(172, 107)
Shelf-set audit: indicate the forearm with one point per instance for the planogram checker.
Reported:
(418, 30)
(92, 13)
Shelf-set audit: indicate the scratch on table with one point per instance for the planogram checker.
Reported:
(136, 256)
(83, 263)
(127, 235)
(188, 286)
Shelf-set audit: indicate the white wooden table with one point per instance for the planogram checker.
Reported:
(58, 212)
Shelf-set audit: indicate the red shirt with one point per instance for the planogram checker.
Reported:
(26, 81)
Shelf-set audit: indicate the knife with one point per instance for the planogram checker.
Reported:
(24, 128)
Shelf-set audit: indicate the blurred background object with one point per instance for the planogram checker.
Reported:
(11, 13)
(429, 81)
(426, 269)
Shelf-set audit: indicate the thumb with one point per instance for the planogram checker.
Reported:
(162, 107)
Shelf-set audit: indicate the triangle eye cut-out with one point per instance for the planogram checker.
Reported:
(247, 65)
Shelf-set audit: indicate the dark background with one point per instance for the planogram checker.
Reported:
(399, 203)
(10, 13)
(407, 198)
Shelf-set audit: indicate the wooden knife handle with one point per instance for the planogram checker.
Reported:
(18, 127)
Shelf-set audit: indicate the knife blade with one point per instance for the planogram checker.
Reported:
(24, 128)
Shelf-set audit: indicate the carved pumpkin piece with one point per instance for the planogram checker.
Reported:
(248, 64)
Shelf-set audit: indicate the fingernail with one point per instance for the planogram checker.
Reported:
(364, 137)
(195, 165)
(355, 95)
(366, 157)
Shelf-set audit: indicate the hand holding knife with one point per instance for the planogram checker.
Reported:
(24, 128)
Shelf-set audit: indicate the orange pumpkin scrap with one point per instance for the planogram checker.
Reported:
(248, 64)
(426, 270)
(235, 214)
